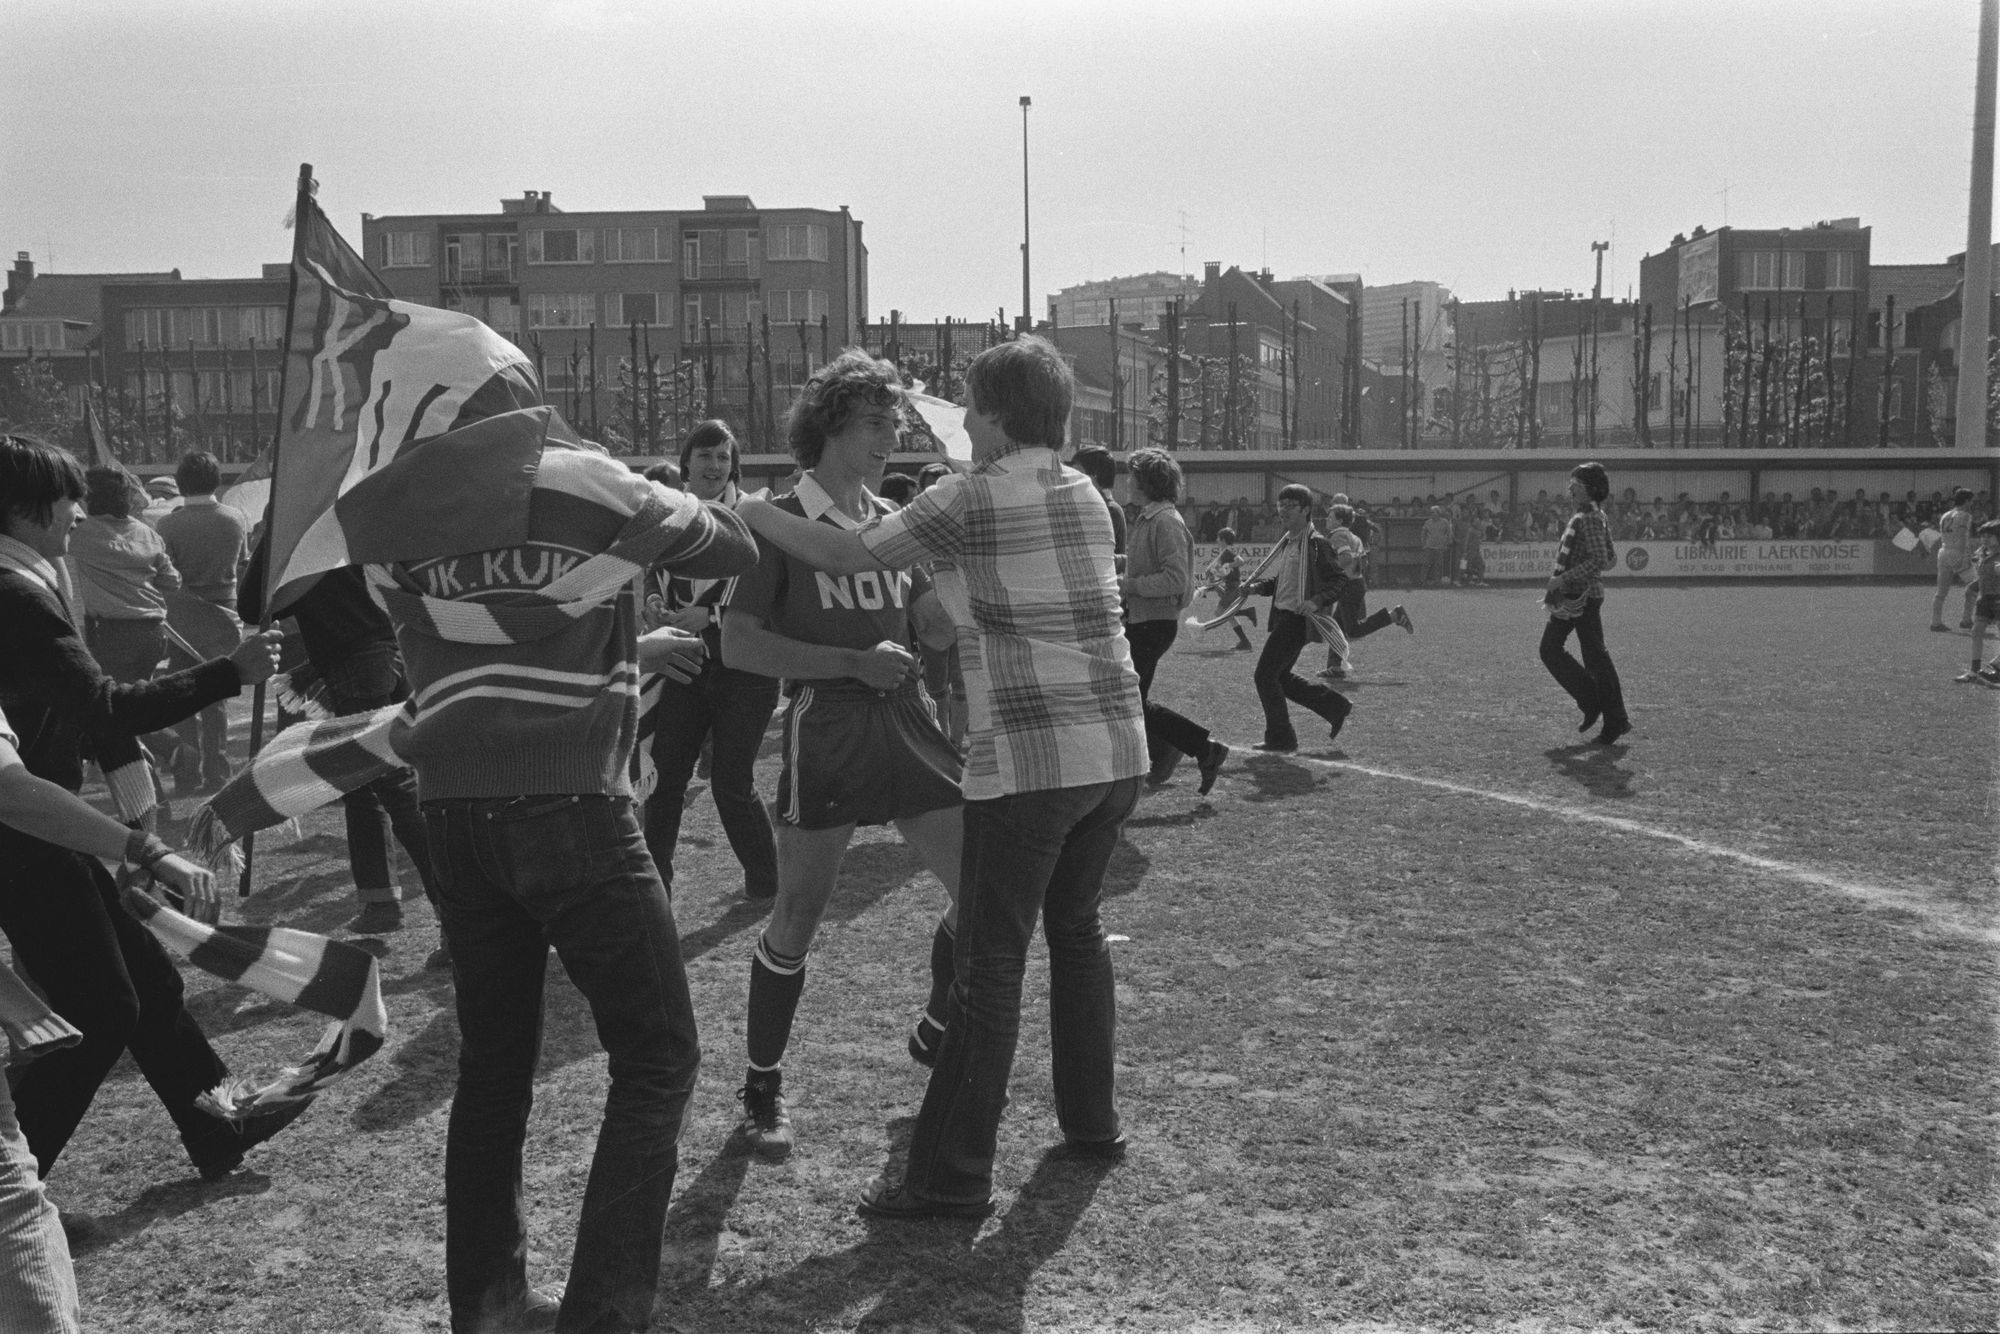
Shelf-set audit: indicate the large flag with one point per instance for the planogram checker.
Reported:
(101, 453)
(365, 374)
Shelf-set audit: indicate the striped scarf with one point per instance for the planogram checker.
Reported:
(314, 763)
(328, 977)
(30, 1026)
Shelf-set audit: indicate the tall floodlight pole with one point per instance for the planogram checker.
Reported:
(1027, 319)
(1596, 296)
(1976, 296)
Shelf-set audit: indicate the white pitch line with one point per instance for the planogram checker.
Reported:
(1942, 916)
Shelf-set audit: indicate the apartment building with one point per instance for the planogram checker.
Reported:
(651, 318)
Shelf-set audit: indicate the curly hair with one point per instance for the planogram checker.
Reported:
(1156, 473)
(851, 382)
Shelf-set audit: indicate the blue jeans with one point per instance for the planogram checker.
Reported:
(735, 707)
(516, 876)
(1026, 855)
(37, 1284)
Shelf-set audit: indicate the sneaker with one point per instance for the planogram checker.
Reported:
(1244, 646)
(376, 919)
(1940, 629)
(925, 1039)
(1968, 678)
(253, 1132)
(1277, 747)
(1990, 675)
(1212, 765)
(1402, 618)
(766, 1127)
(539, 1309)
(1163, 768)
(1333, 674)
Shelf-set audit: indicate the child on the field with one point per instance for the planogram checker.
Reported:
(1225, 573)
(1986, 566)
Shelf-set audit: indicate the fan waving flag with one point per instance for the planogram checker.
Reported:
(365, 375)
(101, 453)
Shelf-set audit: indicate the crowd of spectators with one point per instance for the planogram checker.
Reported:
(1820, 514)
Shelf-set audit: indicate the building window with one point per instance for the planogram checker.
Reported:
(406, 250)
(499, 313)
(636, 307)
(1271, 352)
(561, 310)
(568, 246)
(30, 335)
(790, 368)
(480, 257)
(730, 314)
(734, 253)
(634, 245)
(1771, 269)
(1841, 267)
(208, 326)
(800, 241)
(789, 307)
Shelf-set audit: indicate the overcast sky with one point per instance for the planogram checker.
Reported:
(1483, 145)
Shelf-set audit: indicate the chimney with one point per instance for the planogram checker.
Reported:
(19, 277)
(1211, 270)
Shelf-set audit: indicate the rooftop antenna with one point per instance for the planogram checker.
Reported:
(1724, 192)
(1184, 236)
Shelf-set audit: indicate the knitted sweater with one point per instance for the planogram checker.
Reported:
(526, 681)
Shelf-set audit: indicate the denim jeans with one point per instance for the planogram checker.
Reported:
(1277, 683)
(735, 707)
(37, 1284)
(516, 876)
(1026, 855)
(370, 678)
(1592, 683)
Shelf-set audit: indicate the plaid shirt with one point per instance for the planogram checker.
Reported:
(1586, 553)
(1021, 553)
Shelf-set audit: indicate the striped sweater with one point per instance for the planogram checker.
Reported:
(524, 657)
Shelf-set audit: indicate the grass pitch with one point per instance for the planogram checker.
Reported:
(1461, 1024)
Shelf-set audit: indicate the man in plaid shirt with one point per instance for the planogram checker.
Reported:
(1575, 599)
(1021, 552)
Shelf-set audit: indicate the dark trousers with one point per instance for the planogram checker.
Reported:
(734, 708)
(1592, 683)
(1277, 683)
(1150, 641)
(1350, 613)
(106, 974)
(1028, 855)
(515, 877)
(360, 682)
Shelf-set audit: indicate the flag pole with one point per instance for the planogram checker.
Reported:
(299, 208)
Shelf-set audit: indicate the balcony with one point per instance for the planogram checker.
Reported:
(735, 270)
(477, 275)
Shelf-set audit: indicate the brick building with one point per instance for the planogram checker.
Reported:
(728, 307)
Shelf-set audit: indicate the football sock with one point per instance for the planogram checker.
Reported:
(941, 976)
(776, 980)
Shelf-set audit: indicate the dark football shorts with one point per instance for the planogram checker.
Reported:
(1988, 607)
(859, 756)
